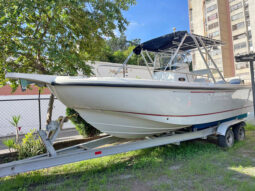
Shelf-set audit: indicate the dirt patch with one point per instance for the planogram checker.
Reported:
(140, 186)
(125, 176)
(175, 167)
(8, 157)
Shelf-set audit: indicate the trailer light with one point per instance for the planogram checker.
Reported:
(98, 152)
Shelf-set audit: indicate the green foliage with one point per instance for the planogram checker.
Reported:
(120, 56)
(121, 43)
(117, 49)
(118, 43)
(15, 120)
(81, 125)
(56, 37)
(114, 55)
(31, 146)
(250, 127)
(10, 143)
(197, 163)
(15, 123)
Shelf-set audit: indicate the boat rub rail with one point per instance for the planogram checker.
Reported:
(151, 86)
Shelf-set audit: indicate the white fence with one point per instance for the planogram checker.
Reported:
(28, 108)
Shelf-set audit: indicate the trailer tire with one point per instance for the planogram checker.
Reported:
(227, 140)
(239, 132)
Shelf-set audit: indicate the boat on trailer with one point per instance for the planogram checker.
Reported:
(174, 98)
(158, 109)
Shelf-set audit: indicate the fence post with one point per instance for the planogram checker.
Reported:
(39, 107)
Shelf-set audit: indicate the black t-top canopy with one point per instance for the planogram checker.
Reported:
(171, 42)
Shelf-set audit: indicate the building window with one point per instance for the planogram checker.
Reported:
(249, 35)
(248, 23)
(250, 44)
(212, 17)
(237, 16)
(246, 5)
(247, 15)
(211, 8)
(240, 36)
(208, 1)
(240, 45)
(241, 66)
(236, 6)
(238, 26)
(212, 26)
(214, 34)
(230, 1)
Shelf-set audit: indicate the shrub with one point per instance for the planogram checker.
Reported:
(15, 123)
(81, 125)
(10, 143)
(30, 146)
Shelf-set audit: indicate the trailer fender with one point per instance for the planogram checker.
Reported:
(223, 127)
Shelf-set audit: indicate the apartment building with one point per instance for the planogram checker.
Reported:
(231, 21)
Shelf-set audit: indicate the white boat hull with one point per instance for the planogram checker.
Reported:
(133, 112)
(133, 108)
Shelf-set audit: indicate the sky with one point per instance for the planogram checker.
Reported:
(153, 18)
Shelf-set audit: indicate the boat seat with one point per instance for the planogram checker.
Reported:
(236, 81)
(220, 82)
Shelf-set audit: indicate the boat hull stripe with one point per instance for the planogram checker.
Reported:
(159, 115)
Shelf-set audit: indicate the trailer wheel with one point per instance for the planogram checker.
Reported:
(226, 141)
(239, 132)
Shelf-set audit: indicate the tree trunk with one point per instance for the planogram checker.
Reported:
(50, 108)
(17, 135)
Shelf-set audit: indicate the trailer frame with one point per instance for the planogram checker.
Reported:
(105, 146)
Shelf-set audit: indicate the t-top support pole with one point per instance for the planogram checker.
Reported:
(147, 65)
(215, 65)
(175, 53)
(124, 65)
(200, 51)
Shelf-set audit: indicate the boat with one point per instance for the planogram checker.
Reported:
(174, 98)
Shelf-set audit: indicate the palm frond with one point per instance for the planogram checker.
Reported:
(15, 120)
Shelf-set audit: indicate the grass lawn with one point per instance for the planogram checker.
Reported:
(195, 165)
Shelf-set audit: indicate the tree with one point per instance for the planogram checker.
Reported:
(117, 49)
(15, 123)
(56, 37)
(118, 43)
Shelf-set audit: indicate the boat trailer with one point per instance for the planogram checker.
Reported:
(109, 145)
